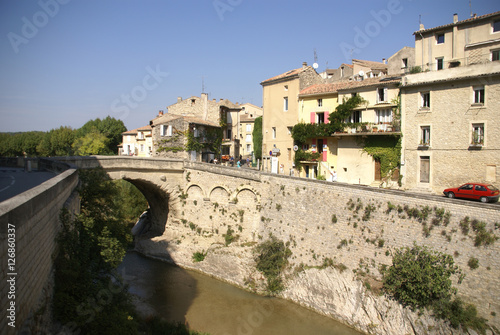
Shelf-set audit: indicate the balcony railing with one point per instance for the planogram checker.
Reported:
(365, 128)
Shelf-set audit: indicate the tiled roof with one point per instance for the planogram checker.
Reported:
(472, 19)
(290, 73)
(371, 64)
(165, 118)
(378, 81)
(323, 88)
(134, 131)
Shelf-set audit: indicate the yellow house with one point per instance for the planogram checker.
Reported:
(316, 102)
(137, 142)
(281, 113)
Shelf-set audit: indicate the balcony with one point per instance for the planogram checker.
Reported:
(367, 128)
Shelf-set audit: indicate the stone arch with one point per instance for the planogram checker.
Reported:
(158, 201)
(195, 192)
(247, 196)
(219, 194)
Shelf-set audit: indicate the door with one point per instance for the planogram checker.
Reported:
(425, 164)
(378, 173)
(466, 191)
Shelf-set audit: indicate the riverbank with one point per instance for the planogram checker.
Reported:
(329, 291)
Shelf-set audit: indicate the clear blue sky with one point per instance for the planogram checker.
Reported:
(64, 62)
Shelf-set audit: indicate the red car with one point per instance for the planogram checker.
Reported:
(476, 191)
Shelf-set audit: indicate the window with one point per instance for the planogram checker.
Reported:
(439, 63)
(229, 134)
(249, 148)
(285, 104)
(289, 130)
(495, 55)
(248, 138)
(354, 118)
(354, 94)
(285, 87)
(496, 26)
(165, 130)
(274, 132)
(141, 136)
(196, 132)
(440, 38)
(404, 64)
(382, 94)
(425, 135)
(320, 102)
(478, 95)
(425, 100)
(384, 116)
(320, 117)
(477, 134)
(142, 147)
(249, 127)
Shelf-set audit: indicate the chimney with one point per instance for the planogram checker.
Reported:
(422, 26)
(455, 18)
(383, 60)
(304, 65)
(179, 99)
(220, 99)
(160, 113)
(204, 101)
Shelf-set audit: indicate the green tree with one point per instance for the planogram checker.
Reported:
(93, 143)
(109, 127)
(257, 138)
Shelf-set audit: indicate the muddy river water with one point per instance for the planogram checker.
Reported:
(209, 305)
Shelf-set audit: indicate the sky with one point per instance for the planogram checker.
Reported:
(65, 62)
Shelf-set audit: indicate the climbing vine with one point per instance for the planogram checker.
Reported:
(387, 150)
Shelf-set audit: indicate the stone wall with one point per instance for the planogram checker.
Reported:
(355, 226)
(29, 224)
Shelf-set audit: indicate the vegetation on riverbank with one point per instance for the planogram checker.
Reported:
(421, 278)
(89, 295)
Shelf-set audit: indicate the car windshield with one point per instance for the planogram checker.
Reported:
(493, 188)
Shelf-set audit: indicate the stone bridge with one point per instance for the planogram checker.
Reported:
(196, 204)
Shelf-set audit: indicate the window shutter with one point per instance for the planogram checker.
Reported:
(327, 115)
(313, 117)
(385, 94)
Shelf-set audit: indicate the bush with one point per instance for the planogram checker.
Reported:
(460, 314)
(418, 276)
(271, 260)
(199, 256)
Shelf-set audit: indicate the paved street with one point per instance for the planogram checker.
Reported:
(14, 181)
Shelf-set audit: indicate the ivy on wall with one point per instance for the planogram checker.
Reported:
(386, 149)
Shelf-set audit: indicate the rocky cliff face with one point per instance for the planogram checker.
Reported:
(328, 291)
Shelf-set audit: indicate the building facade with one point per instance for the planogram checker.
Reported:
(248, 114)
(136, 142)
(471, 41)
(451, 111)
(184, 137)
(281, 113)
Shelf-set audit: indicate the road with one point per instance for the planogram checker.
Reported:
(14, 181)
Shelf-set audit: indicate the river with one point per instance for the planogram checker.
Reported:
(209, 305)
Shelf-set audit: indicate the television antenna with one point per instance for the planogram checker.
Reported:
(315, 65)
(202, 84)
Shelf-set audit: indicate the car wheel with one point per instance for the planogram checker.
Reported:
(483, 199)
(450, 195)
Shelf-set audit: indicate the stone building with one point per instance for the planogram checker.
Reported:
(280, 103)
(136, 142)
(222, 112)
(173, 136)
(451, 112)
(470, 41)
(401, 62)
(248, 114)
